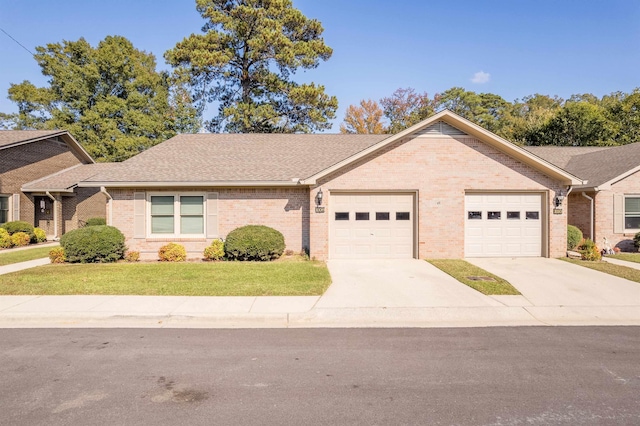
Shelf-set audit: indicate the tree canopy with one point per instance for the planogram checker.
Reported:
(365, 118)
(582, 120)
(244, 63)
(111, 98)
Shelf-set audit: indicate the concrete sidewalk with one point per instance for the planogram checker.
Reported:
(363, 294)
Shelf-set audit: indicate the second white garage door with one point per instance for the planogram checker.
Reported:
(503, 225)
(365, 226)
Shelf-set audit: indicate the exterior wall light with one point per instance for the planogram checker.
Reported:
(319, 198)
(559, 198)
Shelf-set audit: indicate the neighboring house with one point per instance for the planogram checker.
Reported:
(608, 205)
(444, 188)
(31, 155)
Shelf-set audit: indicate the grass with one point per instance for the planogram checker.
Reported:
(285, 278)
(8, 257)
(629, 257)
(625, 272)
(461, 270)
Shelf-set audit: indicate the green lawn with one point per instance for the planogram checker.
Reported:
(282, 278)
(629, 257)
(625, 272)
(11, 256)
(461, 270)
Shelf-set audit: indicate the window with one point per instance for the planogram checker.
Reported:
(532, 215)
(493, 215)
(382, 215)
(631, 212)
(362, 215)
(513, 215)
(402, 215)
(474, 215)
(342, 215)
(177, 215)
(4, 209)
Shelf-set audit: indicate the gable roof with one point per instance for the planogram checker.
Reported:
(233, 159)
(13, 138)
(470, 129)
(65, 180)
(601, 166)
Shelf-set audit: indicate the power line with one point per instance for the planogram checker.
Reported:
(20, 44)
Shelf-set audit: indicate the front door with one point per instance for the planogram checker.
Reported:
(44, 215)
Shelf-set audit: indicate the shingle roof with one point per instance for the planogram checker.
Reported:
(66, 179)
(236, 157)
(598, 165)
(10, 137)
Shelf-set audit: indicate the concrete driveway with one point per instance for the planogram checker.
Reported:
(396, 283)
(552, 282)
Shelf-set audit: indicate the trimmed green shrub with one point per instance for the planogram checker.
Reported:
(20, 239)
(574, 237)
(56, 255)
(18, 226)
(132, 256)
(589, 251)
(5, 239)
(172, 252)
(215, 251)
(93, 244)
(96, 221)
(636, 240)
(39, 236)
(254, 242)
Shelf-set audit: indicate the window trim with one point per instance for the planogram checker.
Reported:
(9, 200)
(176, 214)
(624, 212)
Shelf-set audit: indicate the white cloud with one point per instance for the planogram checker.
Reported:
(481, 77)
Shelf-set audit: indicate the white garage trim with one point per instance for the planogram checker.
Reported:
(505, 224)
(372, 224)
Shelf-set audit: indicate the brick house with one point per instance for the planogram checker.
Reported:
(608, 204)
(27, 158)
(444, 188)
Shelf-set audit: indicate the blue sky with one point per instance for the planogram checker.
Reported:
(513, 48)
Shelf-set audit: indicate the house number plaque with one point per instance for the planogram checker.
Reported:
(319, 209)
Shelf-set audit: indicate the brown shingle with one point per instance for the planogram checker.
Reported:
(66, 179)
(10, 137)
(237, 157)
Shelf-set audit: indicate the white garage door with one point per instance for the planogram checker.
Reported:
(366, 226)
(503, 225)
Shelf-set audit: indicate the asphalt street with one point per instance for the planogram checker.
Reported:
(479, 376)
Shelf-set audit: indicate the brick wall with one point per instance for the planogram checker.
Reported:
(579, 211)
(604, 213)
(284, 209)
(28, 162)
(441, 170)
(86, 203)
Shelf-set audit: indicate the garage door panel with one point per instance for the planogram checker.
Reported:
(509, 233)
(382, 236)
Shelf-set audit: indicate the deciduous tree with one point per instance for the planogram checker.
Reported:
(405, 107)
(364, 119)
(244, 63)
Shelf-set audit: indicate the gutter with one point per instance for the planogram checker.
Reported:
(109, 199)
(591, 213)
(55, 215)
(292, 183)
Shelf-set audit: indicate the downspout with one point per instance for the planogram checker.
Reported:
(55, 215)
(109, 198)
(590, 211)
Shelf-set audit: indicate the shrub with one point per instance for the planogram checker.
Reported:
(254, 242)
(132, 256)
(39, 236)
(636, 240)
(215, 251)
(56, 255)
(20, 239)
(95, 221)
(5, 239)
(93, 244)
(172, 252)
(574, 236)
(589, 251)
(18, 226)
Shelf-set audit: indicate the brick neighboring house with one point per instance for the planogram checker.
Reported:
(444, 188)
(27, 157)
(608, 205)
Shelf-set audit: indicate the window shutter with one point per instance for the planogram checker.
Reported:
(212, 215)
(139, 215)
(16, 207)
(618, 213)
